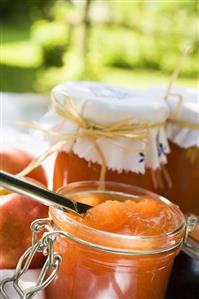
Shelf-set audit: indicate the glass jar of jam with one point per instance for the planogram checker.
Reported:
(123, 247)
(183, 161)
(118, 129)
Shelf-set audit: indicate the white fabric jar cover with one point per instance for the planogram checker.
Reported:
(188, 112)
(105, 105)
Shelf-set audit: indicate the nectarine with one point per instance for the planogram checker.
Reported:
(18, 212)
(14, 160)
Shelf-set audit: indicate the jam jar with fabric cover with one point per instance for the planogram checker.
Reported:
(102, 132)
(183, 134)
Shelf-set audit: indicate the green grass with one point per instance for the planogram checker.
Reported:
(131, 78)
(19, 79)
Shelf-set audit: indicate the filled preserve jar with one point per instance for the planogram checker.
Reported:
(122, 248)
(183, 161)
(106, 133)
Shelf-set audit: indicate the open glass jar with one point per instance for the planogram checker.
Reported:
(99, 264)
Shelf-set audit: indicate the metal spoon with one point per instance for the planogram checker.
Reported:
(44, 196)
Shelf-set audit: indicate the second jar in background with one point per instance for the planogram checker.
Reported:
(183, 160)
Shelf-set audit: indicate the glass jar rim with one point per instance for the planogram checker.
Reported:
(169, 236)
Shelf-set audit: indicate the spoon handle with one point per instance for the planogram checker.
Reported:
(37, 193)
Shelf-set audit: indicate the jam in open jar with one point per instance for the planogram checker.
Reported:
(124, 247)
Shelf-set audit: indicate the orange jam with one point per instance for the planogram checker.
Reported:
(144, 216)
(183, 169)
(70, 168)
(122, 248)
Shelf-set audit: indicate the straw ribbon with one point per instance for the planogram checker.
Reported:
(124, 128)
(173, 79)
(174, 76)
(184, 124)
(177, 69)
(156, 176)
(178, 107)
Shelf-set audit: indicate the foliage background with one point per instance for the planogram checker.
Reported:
(134, 43)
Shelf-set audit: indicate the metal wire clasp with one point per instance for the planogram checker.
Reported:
(189, 246)
(53, 260)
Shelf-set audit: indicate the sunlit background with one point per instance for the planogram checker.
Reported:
(134, 43)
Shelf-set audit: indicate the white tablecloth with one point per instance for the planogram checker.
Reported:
(28, 280)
